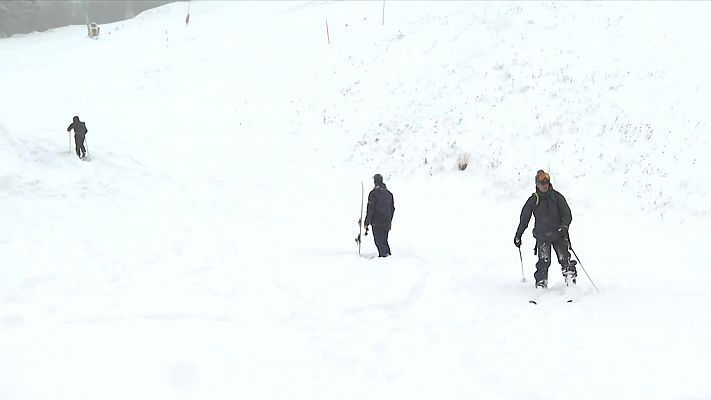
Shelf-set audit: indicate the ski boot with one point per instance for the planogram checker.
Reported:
(570, 273)
(542, 284)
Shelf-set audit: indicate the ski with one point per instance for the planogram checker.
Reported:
(570, 294)
(538, 301)
(360, 221)
(539, 292)
(571, 291)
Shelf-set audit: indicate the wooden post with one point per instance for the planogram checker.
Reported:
(187, 17)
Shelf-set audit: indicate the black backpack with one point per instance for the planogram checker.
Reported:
(553, 196)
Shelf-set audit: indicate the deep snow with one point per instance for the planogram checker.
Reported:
(206, 251)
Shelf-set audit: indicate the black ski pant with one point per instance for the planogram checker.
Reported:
(79, 141)
(380, 236)
(544, 258)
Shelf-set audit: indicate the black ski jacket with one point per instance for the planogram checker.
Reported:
(551, 211)
(381, 207)
(79, 128)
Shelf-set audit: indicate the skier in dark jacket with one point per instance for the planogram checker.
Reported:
(79, 135)
(379, 215)
(553, 219)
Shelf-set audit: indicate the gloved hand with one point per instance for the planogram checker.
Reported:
(563, 230)
(517, 240)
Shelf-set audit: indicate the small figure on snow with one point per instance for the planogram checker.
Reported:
(553, 219)
(79, 135)
(379, 214)
(93, 30)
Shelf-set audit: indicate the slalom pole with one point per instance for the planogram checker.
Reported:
(581, 266)
(523, 275)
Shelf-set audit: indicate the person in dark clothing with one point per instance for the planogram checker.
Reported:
(379, 215)
(553, 219)
(79, 135)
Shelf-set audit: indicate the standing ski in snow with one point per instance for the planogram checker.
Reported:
(379, 214)
(553, 218)
(79, 135)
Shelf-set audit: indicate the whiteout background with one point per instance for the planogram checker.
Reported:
(207, 252)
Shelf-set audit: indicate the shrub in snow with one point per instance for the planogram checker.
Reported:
(463, 160)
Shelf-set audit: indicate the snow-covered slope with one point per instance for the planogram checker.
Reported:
(206, 250)
(595, 93)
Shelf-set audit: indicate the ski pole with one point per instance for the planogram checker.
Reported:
(70, 141)
(581, 266)
(523, 275)
(86, 146)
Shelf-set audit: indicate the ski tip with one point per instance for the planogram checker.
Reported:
(569, 301)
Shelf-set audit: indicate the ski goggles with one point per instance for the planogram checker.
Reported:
(543, 178)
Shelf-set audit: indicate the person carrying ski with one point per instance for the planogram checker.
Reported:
(379, 214)
(79, 135)
(553, 219)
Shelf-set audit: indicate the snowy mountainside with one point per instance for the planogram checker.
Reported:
(517, 86)
(534, 85)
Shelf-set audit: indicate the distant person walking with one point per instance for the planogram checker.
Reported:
(553, 219)
(379, 215)
(79, 136)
